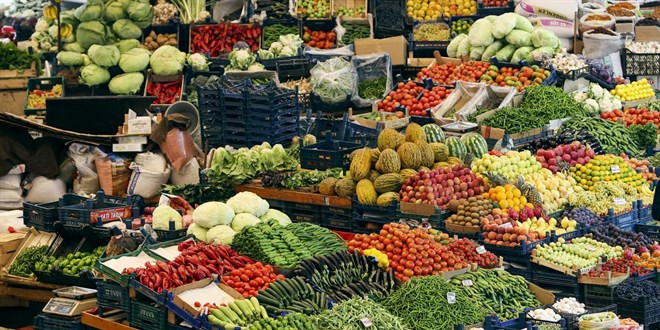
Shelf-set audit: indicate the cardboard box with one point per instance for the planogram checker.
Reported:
(498, 133)
(192, 310)
(397, 47)
(647, 33)
(140, 139)
(139, 125)
(384, 123)
(127, 147)
(420, 62)
(544, 296)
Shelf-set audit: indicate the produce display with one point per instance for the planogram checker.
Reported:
(634, 290)
(466, 249)
(611, 195)
(598, 100)
(421, 186)
(72, 264)
(613, 137)
(510, 166)
(469, 212)
(580, 254)
(612, 235)
(372, 89)
(245, 164)
(636, 90)
(583, 216)
(238, 313)
(416, 99)
(605, 168)
(620, 266)
(313, 8)
(358, 11)
(498, 292)
(37, 98)
(23, 262)
(351, 315)
(461, 26)
(319, 39)
(220, 39)
(155, 40)
(448, 73)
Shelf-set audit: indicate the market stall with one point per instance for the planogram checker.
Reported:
(330, 164)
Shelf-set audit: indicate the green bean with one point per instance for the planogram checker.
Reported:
(349, 315)
(372, 89)
(355, 31)
(613, 137)
(423, 304)
(273, 32)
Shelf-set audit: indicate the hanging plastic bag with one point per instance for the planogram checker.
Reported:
(373, 78)
(333, 80)
(87, 180)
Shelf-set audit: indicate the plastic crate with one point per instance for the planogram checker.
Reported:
(294, 69)
(286, 22)
(337, 218)
(364, 136)
(575, 74)
(517, 250)
(420, 46)
(572, 322)
(494, 323)
(421, 120)
(522, 267)
(336, 128)
(43, 216)
(598, 295)
(389, 17)
(44, 84)
(562, 324)
(277, 204)
(304, 213)
(485, 11)
(321, 106)
(563, 285)
(45, 321)
(373, 213)
(595, 79)
(626, 219)
(652, 231)
(86, 214)
(145, 315)
(158, 298)
(640, 64)
(112, 296)
(644, 214)
(643, 311)
(327, 154)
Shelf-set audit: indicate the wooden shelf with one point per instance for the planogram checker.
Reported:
(295, 196)
(112, 322)
(26, 289)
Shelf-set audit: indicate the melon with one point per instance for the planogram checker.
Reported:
(361, 164)
(428, 157)
(388, 139)
(388, 183)
(475, 144)
(410, 155)
(387, 199)
(414, 133)
(388, 162)
(366, 193)
(345, 187)
(327, 186)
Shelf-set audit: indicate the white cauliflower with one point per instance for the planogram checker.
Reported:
(596, 91)
(616, 103)
(591, 105)
(605, 105)
(211, 214)
(42, 25)
(580, 97)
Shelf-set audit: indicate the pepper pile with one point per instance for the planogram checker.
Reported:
(165, 92)
(217, 39)
(372, 89)
(619, 265)
(21, 265)
(37, 98)
(355, 31)
(197, 261)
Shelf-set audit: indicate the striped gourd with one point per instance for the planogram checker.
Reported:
(475, 144)
(456, 147)
(434, 133)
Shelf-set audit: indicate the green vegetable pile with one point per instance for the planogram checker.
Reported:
(22, 263)
(653, 106)
(614, 138)
(354, 313)
(539, 106)
(298, 179)
(644, 135)
(273, 32)
(71, 264)
(354, 31)
(245, 164)
(200, 193)
(271, 243)
(498, 291)
(290, 321)
(372, 89)
(13, 58)
(654, 160)
(423, 304)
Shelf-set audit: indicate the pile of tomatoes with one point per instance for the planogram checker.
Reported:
(448, 73)
(466, 249)
(250, 279)
(408, 95)
(518, 78)
(412, 252)
(633, 116)
(495, 3)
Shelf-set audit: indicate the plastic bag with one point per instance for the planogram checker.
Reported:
(333, 80)
(86, 181)
(10, 181)
(600, 45)
(592, 325)
(369, 68)
(44, 190)
(346, 51)
(231, 10)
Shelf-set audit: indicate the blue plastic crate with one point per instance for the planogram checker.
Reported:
(485, 11)
(652, 231)
(146, 315)
(523, 249)
(365, 136)
(87, 213)
(626, 219)
(327, 154)
(643, 311)
(494, 323)
(645, 215)
(159, 298)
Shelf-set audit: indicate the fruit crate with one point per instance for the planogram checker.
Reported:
(147, 315)
(337, 218)
(626, 219)
(112, 296)
(327, 154)
(652, 231)
(644, 214)
(294, 69)
(572, 322)
(45, 321)
(43, 84)
(562, 285)
(634, 64)
(454, 19)
(485, 11)
(335, 128)
(522, 267)
(524, 249)
(643, 311)
(598, 295)
(85, 214)
(171, 234)
(366, 217)
(299, 212)
(562, 324)
(427, 46)
(389, 17)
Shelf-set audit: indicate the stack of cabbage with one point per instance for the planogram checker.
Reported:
(509, 37)
(216, 222)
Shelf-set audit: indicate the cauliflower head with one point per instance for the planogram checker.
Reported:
(221, 234)
(211, 214)
(248, 202)
(162, 216)
(243, 220)
(280, 216)
(198, 231)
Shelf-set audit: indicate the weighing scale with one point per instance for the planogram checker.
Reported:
(71, 301)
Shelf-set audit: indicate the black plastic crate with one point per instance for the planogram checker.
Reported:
(327, 154)
(168, 235)
(572, 322)
(575, 74)
(389, 17)
(86, 214)
(146, 315)
(44, 84)
(517, 250)
(643, 311)
(277, 204)
(336, 128)
(364, 136)
(520, 265)
(598, 295)
(373, 213)
(324, 25)
(294, 69)
(43, 216)
(321, 106)
(304, 213)
(652, 231)
(640, 64)
(45, 321)
(112, 296)
(284, 140)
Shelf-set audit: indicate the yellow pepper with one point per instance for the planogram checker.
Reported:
(383, 261)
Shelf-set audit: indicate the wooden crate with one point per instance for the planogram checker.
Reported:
(13, 89)
(32, 238)
(336, 4)
(9, 243)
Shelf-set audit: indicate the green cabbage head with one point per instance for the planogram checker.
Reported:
(140, 13)
(92, 75)
(134, 60)
(106, 56)
(89, 12)
(73, 47)
(114, 11)
(127, 44)
(126, 83)
(70, 58)
(90, 33)
(125, 29)
(167, 60)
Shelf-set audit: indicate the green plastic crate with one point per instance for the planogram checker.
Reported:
(148, 316)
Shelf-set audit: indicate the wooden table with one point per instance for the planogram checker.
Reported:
(26, 289)
(295, 196)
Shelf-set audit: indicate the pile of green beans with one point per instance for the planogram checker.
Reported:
(349, 315)
(372, 89)
(540, 105)
(355, 31)
(273, 32)
(423, 304)
(613, 137)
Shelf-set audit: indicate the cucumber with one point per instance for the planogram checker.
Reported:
(230, 314)
(219, 315)
(234, 308)
(215, 320)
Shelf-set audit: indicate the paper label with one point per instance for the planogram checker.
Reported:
(506, 225)
(366, 322)
(615, 169)
(467, 282)
(451, 298)
(619, 201)
(481, 249)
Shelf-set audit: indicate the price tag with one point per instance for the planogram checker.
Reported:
(467, 282)
(590, 248)
(481, 249)
(366, 322)
(619, 201)
(615, 169)
(451, 298)
(506, 225)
